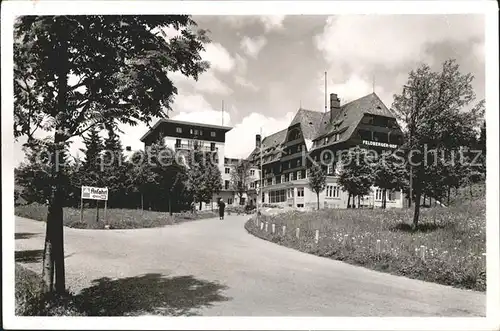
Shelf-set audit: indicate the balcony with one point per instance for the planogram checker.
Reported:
(191, 147)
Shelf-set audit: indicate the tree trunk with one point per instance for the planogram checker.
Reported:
(201, 205)
(53, 256)
(470, 190)
(416, 214)
(142, 202)
(97, 211)
(359, 201)
(317, 198)
(384, 198)
(449, 192)
(169, 205)
(349, 201)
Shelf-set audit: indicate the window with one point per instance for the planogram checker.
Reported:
(278, 179)
(252, 172)
(300, 205)
(378, 194)
(332, 191)
(201, 133)
(326, 140)
(282, 178)
(196, 132)
(337, 137)
(227, 170)
(226, 184)
(178, 130)
(367, 120)
(290, 192)
(229, 201)
(191, 131)
(212, 134)
(178, 142)
(277, 196)
(329, 170)
(299, 162)
(299, 174)
(212, 146)
(269, 181)
(300, 192)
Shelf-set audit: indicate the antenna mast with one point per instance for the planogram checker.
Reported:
(326, 93)
(222, 112)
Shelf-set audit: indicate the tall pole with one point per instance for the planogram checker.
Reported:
(261, 173)
(326, 93)
(222, 112)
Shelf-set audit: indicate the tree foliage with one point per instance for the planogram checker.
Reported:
(240, 178)
(389, 174)
(317, 180)
(204, 177)
(356, 174)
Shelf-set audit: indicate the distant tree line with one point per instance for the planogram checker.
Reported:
(153, 179)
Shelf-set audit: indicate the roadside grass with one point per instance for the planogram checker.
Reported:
(115, 218)
(454, 240)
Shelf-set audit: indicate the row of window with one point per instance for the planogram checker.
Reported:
(194, 144)
(277, 196)
(391, 196)
(332, 191)
(285, 178)
(195, 132)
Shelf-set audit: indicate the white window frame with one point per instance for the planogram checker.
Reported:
(178, 129)
(299, 174)
(212, 134)
(227, 170)
(300, 192)
(252, 172)
(333, 191)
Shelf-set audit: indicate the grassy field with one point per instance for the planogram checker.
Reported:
(115, 218)
(454, 240)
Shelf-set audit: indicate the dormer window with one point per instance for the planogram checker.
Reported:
(326, 140)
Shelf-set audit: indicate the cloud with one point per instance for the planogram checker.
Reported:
(221, 62)
(240, 76)
(361, 41)
(219, 57)
(268, 22)
(240, 141)
(252, 46)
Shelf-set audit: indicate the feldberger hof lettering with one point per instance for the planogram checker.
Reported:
(94, 193)
(376, 143)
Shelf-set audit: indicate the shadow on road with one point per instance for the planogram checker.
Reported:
(25, 235)
(150, 294)
(29, 256)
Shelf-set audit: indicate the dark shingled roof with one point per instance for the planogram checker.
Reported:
(309, 121)
(271, 147)
(349, 116)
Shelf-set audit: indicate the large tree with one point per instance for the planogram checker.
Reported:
(75, 73)
(437, 112)
(240, 178)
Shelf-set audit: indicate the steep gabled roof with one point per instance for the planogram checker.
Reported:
(349, 117)
(309, 122)
(316, 125)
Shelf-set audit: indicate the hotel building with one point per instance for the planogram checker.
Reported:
(312, 135)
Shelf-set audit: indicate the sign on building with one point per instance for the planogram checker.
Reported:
(94, 193)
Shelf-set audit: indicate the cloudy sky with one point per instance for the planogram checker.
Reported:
(265, 67)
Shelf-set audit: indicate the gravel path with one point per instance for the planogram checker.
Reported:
(213, 267)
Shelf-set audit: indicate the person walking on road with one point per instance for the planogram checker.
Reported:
(222, 205)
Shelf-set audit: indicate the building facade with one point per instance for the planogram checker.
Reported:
(183, 137)
(320, 136)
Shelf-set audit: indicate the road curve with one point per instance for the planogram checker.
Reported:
(259, 278)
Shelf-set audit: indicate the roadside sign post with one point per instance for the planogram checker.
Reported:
(94, 193)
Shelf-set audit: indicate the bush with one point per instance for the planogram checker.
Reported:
(30, 302)
(455, 240)
(115, 218)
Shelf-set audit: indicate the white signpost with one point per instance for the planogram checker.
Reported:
(94, 193)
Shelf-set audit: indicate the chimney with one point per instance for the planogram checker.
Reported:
(257, 140)
(334, 106)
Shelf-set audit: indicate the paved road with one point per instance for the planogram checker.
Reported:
(214, 267)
